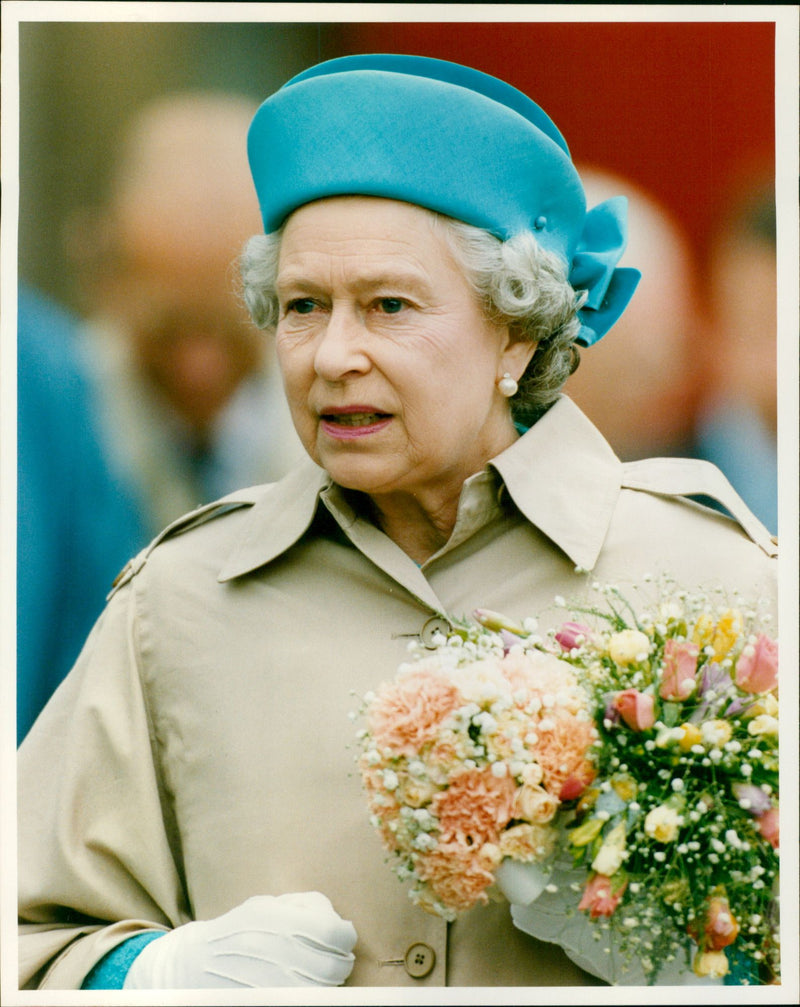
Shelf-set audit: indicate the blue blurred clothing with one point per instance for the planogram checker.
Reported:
(76, 523)
(734, 437)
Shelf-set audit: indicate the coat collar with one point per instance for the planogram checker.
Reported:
(280, 514)
(562, 475)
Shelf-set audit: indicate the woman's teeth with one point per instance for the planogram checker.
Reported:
(355, 419)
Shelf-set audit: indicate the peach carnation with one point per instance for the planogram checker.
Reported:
(457, 874)
(538, 675)
(389, 823)
(387, 817)
(562, 752)
(475, 807)
(481, 682)
(444, 754)
(407, 713)
(371, 775)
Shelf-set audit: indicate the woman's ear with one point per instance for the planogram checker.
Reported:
(517, 354)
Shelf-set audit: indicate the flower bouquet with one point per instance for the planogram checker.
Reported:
(469, 758)
(677, 836)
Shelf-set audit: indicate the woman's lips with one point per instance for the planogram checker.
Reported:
(348, 424)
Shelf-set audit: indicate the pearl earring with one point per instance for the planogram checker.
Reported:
(507, 385)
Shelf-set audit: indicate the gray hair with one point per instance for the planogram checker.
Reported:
(517, 282)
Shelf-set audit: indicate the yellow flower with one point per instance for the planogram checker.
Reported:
(532, 774)
(690, 736)
(766, 704)
(415, 794)
(628, 646)
(703, 631)
(663, 823)
(490, 856)
(526, 843)
(612, 853)
(535, 805)
(727, 632)
(716, 733)
(710, 964)
(624, 786)
(587, 799)
(586, 832)
(763, 724)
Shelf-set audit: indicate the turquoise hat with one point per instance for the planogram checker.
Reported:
(448, 138)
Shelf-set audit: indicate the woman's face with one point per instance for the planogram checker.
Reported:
(389, 364)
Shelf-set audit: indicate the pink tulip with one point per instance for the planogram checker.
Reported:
(572, 635)
(757, 667)
(769, 825)
(602, 895)
(680, 669)
(636, 708)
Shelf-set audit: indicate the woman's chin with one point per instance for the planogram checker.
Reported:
(360, 478)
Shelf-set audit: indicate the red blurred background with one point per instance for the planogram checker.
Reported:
(683, 109)
(686, 109)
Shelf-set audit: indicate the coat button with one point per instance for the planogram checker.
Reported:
(432, 627)
(420, 959)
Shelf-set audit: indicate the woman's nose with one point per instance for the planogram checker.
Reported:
(340, 350)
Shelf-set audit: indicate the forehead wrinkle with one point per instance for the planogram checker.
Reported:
(374, 253)
(373, 278)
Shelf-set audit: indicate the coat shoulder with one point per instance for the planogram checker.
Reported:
(197, 518)
(689, 479)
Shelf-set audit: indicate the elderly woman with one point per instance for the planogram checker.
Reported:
(190, 814)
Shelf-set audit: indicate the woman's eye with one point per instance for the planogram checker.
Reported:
(391, 305)
(300, 306)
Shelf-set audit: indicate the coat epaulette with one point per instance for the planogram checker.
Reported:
(692, 477)
(199, 516)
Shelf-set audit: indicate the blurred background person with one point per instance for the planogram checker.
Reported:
(192, 406)
(737, 426)
(76, 525)
(642, 384)
(689, 375)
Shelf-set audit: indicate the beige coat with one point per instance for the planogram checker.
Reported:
(201, 750)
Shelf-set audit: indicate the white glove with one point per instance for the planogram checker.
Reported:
(288, 940)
